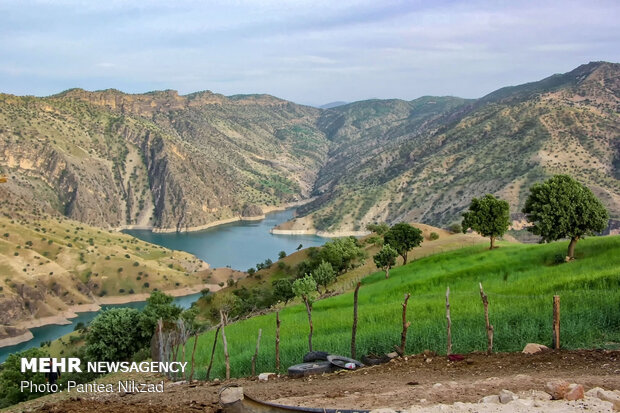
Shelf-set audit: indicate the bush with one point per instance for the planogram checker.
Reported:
(113, 336)
(434, 236)
(456, 228)
(11, 377)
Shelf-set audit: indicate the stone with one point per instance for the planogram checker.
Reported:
(506, 396)
(557, 389)
(265, 376)
(593, 392)
(490, 399)
(610, 396)
(437, 386)
(533, 348)
(575, 392)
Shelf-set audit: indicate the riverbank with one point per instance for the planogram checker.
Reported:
(239, 218)
(305, 226)
(23, 327)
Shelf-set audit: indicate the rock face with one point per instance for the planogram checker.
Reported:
(252, 211)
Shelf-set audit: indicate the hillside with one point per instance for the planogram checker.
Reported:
(156, 160)
(519, 280)
(424, 160)
(52, 267)
(169, 162)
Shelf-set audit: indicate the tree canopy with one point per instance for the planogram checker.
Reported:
(11, 377)
(158, 305)
(489, 216)
(561, 207)
(114, 335)
(403, 237)
(324, 274)
(386, 258)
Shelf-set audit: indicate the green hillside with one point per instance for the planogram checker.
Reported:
(519, 280)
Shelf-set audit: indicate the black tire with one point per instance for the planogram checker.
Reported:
(315, 356)
(340, 361)
(305, 369)
(375, 360)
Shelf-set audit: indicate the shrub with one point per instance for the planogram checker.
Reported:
(434, 236)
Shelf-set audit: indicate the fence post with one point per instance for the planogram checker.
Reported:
(277, 342)
(354, 331)
(556, 322)
(449, 332)
(403, 336)
(224, 318)
(485, 302)
(217, 332)
(260, 332)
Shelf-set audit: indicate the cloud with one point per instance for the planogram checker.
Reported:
(307, 51)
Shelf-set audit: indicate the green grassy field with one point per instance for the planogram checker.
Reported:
(519, 280)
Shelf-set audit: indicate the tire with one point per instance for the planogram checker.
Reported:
(315, 356)
(341, 361)
(375, 360)
(306, 369)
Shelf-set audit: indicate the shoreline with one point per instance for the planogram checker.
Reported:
(324, 234)
(63, 317)
(267, 209)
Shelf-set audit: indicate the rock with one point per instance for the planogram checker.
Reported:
(539, 395)
(533, 348)
(506, 396)
(575, 392)
(490, 399)
(392, 355)
(609, 396)
(593, 392)
(437, 386)
(557, 389)
(265, 376)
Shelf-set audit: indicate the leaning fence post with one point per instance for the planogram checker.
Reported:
(224, 318)
(449, 332)
(260, 332)
(556, 322)
(217, 332)
(354, 330)
(485, 302)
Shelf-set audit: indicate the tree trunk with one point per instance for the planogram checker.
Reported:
(404, 255)
(191, 373)
(217, 331)
(406, 324)
(387, 272)
(309, 310)
(489, 326)
(354, 330)
(571, 248)
(492, 243)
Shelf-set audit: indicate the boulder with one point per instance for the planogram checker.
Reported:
(609, 396)
(265, 376)
(533, 348)
(575, 392)
(506, 396)
(557, 389)
(490, 399)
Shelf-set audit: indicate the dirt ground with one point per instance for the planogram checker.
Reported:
(412, 381)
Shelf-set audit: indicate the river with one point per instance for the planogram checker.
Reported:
(239, 245)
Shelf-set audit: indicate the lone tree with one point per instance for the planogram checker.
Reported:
(305, 288)
(283, 290)
(561, 207)
(386, 258)
(403, 237)
(489, 216)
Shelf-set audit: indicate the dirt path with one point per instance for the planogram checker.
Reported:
(400, 384)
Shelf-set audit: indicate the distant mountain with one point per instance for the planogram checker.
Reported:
(332, 105)
(175, 162)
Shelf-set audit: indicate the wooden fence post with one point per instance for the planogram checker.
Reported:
(556, 322)
(403, 336)
(260, 332)
(485, 302)
(449, 332)
(217, 332)
(277, 342)
(354, 332)
(226, 357)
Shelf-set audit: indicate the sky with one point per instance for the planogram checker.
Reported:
(310, 52)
